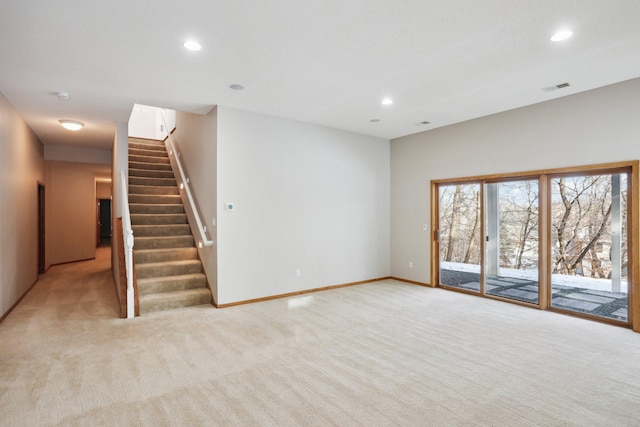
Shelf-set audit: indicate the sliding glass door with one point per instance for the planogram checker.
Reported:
(511, 260)
(460, 231)
(589, 244)
(554, 239)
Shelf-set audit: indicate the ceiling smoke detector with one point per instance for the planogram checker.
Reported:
(63, 95)
(422, 123)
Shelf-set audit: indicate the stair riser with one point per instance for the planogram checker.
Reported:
(141, 219)
(161, 230)
(141, 173)
(157, 285)
(155, 190)
(144, 271)
(165, 255)
(147, 147)
(154, 199)
(147, 159)
(170, 301)
(160, 182)
(147, 209)
(150, 166)
(163, 242)
(156, 142)
(148, 153)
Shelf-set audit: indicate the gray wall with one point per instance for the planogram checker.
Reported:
(597, 126)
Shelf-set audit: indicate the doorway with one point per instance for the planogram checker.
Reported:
(104, 222)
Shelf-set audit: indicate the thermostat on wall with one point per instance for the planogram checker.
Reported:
(230, 207)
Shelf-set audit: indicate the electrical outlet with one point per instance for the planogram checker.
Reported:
(410, 264)
(424, 227)
(298, 273)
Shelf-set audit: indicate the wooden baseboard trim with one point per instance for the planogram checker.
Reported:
(5, 315)
(307, 291)
(427, 285)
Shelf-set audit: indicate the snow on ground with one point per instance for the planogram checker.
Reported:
(556, 279)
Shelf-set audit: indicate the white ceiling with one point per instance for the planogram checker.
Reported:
(328, 62)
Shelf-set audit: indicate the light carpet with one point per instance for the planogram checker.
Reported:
(379, 354)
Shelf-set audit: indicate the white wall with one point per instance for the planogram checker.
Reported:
(120, 163)
(196, 140)
(597, 126)
(147, 122)
(21, 168)
(307, 198)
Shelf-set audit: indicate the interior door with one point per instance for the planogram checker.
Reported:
(104, 213)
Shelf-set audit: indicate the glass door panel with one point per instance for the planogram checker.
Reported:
(460, 230)
(589, 245)
(512, 248)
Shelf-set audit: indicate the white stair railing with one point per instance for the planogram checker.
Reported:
(127, 235)
(184, 184)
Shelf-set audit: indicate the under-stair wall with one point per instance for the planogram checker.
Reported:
(195, 137)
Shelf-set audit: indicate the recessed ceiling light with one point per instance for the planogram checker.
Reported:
(236, 87)
(192, 45)
(387, 101)
(561, 35)
(71, 124)
(374, 120)
(63, 95)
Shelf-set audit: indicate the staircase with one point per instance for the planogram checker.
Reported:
(169, 273)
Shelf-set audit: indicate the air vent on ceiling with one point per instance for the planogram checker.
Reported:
(422, 123)
(556, 87)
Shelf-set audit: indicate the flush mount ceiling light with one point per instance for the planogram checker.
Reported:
(561, 35)
(71, 124)
(63, 95)
(236, 87)
(192, 45)
(386, 101)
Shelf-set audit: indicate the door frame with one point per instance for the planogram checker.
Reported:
(41, 228)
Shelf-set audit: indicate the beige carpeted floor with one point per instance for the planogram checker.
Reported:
(380, 354)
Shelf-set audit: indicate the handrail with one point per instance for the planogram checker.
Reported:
(127, 234)
(172, 151)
